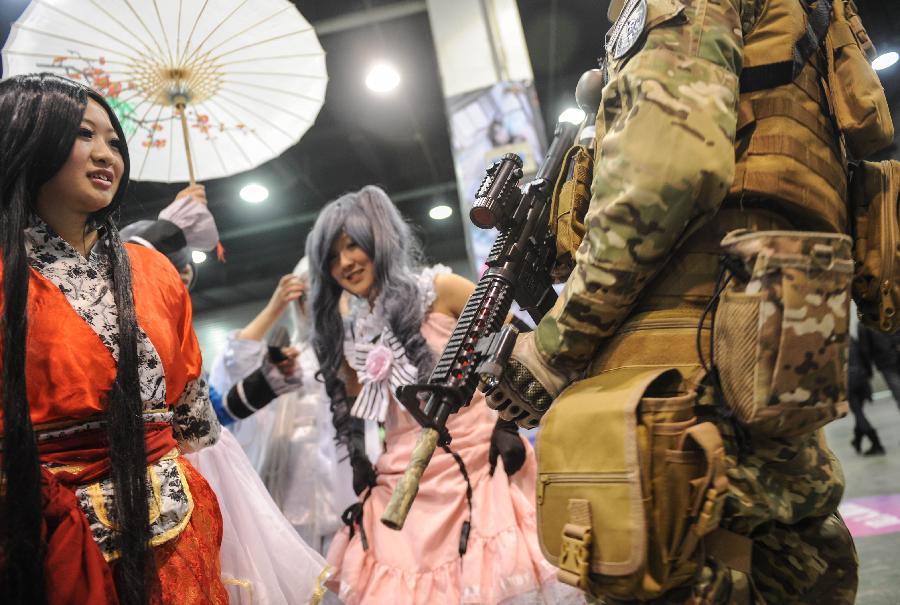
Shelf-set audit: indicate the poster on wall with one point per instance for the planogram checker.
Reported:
(485, 125)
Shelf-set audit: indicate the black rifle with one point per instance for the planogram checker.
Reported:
(518, 269)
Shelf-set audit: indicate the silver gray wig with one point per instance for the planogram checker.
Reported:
(372, 221)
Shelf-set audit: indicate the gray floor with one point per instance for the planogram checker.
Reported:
(879, 556)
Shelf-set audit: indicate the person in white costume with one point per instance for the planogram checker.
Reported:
(263, 562)
(290, 442)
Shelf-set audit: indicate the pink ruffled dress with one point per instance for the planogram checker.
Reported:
(421, 563)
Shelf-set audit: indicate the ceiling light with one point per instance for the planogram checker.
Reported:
(198, 256)
(382, 78)
(573, 115)
(441, 212)
(886, 60)
(254, 193)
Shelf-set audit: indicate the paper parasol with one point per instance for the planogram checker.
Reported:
(250, 73)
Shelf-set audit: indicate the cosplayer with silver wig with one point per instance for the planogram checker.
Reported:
(398, 316)
(374, 224)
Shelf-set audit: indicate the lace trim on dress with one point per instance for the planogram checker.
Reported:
(427, 293)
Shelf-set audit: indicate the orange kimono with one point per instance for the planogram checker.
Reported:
(71, 357)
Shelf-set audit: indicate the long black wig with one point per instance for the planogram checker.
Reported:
(40, 115)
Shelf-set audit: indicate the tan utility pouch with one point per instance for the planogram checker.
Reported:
(874, 199)
(781, 329)
(629, 483)
(860, 107)
(571, 198)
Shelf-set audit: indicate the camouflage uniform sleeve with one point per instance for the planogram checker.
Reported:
(664, 164)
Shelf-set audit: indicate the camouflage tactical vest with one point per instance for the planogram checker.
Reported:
(787, 146)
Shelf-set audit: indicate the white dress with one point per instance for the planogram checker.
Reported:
(264, 560)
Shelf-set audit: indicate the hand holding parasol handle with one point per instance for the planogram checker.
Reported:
(405, 492)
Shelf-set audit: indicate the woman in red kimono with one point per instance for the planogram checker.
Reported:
(101, 384)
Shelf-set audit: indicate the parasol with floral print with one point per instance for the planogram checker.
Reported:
(203, 88)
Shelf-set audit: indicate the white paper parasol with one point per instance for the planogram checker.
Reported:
(251, 73)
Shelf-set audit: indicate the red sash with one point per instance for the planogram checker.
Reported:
(76, 571)
(90, 452)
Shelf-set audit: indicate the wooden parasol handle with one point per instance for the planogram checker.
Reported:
(180, 106)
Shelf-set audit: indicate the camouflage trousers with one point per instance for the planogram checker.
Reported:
(784, 497)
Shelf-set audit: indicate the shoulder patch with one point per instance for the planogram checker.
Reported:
(627, 29)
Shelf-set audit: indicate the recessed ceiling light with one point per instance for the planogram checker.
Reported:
(440, 212)
(254, 193)
(382, 78)
(573, 115)
(198, 256)
(884, 61)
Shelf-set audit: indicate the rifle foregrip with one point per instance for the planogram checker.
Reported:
(405, 492)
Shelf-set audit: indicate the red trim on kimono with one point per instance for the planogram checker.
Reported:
(90, 454)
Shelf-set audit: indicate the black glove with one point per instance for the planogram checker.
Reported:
(364, 474)
(351, 433)
(506, 443)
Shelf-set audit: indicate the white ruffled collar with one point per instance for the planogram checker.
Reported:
(365, 321)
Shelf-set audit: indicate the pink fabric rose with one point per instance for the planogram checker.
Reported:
(378, 363)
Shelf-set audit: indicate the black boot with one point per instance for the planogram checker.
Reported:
(857, 440)
(877, 449)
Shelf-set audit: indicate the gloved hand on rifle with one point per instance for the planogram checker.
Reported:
(507, 445)
(528, 385)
